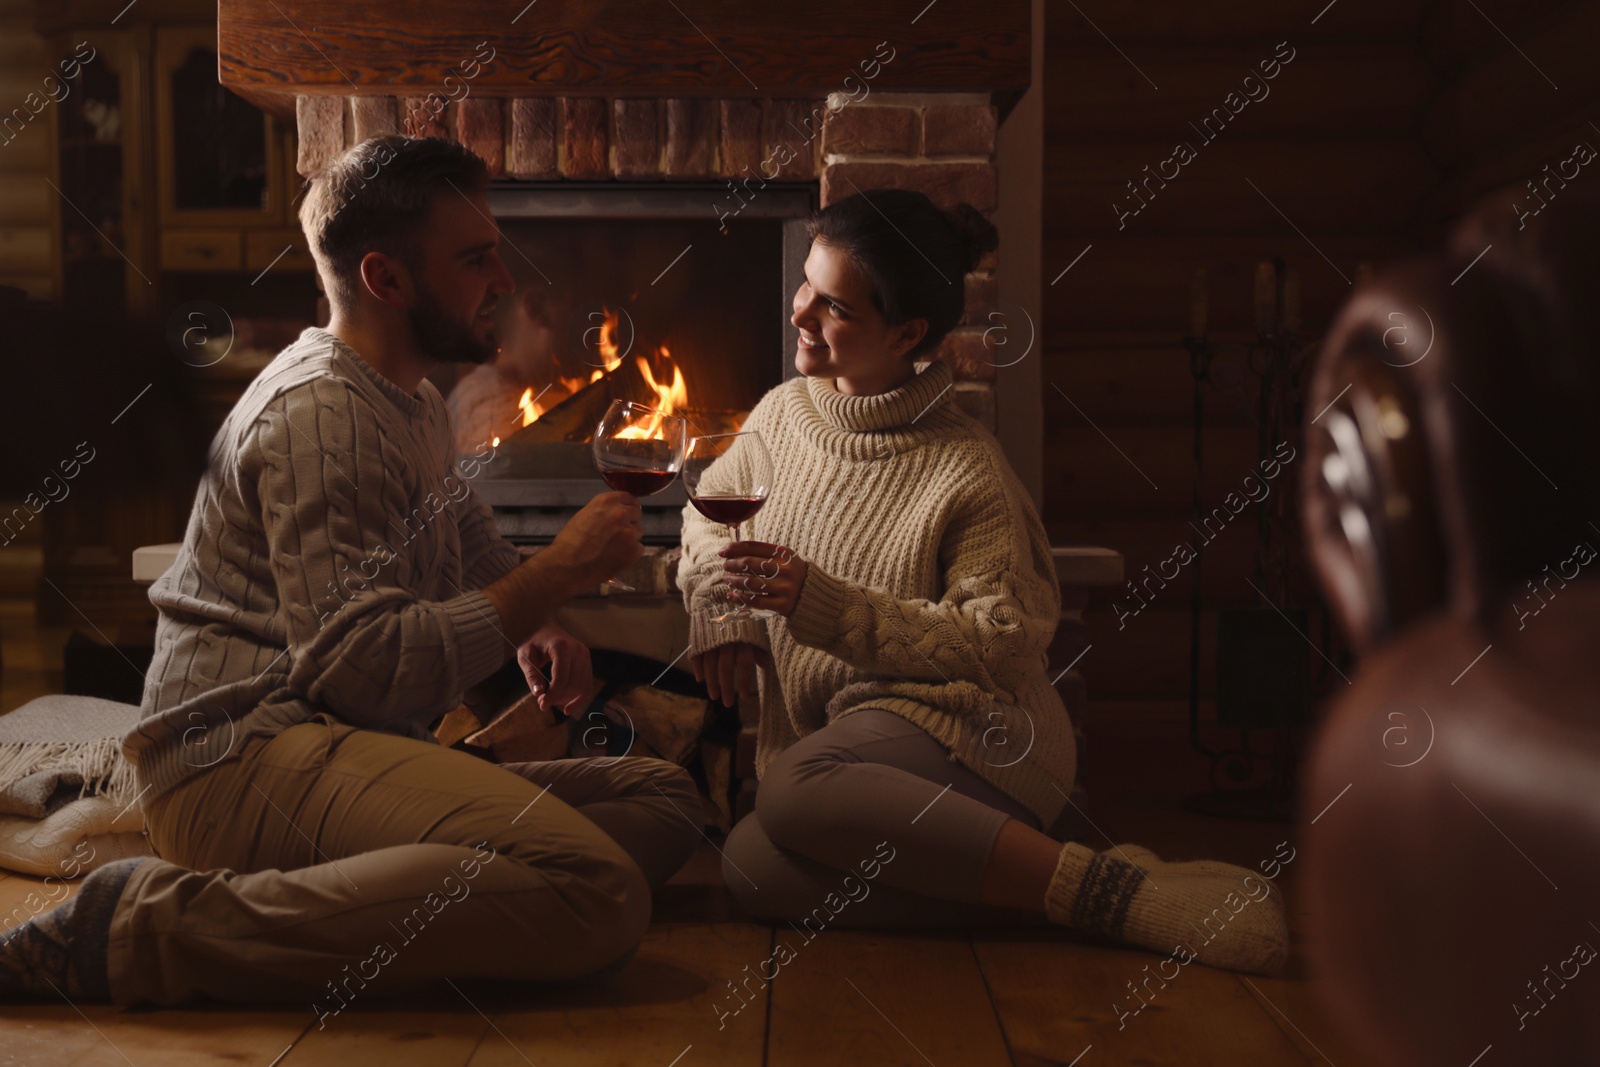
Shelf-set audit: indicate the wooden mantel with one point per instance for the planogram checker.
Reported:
(273, 50)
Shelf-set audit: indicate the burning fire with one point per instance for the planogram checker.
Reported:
(672, 395)
(659, 372)
(607, 346)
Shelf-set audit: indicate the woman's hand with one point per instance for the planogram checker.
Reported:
(729, 671)
(557, 667)
(763, 575)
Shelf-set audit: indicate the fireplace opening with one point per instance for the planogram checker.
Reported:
(629, 293)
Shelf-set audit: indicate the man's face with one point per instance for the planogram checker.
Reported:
(459, 277)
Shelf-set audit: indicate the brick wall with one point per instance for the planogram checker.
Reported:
(940, 144)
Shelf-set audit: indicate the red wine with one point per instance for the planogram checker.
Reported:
(728, 510)
(638, 482)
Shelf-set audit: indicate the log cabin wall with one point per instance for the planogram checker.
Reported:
(1387, 120)
(1504, 112)
(29, 238)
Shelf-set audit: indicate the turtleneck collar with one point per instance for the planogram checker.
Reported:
(405, 402)
(919, 401)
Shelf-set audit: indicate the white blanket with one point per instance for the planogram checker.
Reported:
(69, 801)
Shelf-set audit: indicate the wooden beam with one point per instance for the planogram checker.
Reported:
(587, 47)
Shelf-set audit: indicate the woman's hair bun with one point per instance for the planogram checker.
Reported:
(978, 234)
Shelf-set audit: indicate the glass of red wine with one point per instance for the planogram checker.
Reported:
(729, 476)
(638, 449)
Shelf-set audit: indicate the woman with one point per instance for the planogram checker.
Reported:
(912, 752)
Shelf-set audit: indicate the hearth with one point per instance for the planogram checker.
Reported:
(624, 292)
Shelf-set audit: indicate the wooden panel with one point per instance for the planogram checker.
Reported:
(1139, 282)
(1493, 106)
(1140, 384)
(1226, 24)
(577, 46)
(37, 286)
(25, 199)
(1058, 1000)
(1149, 657)
(1457, 37)
(25, 249)
(201, 250)
(266, 248)
(662, 1003)
(1378, 183)
(1373, 89)
(886, 999)
(1228, 561)
(1510, 169)
(28, 150)
(1141, 470)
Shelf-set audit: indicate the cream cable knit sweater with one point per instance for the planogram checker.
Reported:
(931, 591)
(334, 562)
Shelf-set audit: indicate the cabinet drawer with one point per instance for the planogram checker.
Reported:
(263, 247)
(201, 250)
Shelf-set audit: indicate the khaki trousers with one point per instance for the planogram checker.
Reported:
(330, 862)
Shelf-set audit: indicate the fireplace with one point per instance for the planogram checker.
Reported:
(624, 292)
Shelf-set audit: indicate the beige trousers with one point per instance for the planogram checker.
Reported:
(330, 863)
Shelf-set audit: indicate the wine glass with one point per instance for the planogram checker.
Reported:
(728, 476)
(638, 449)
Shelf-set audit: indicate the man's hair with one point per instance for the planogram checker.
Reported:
(374, 198)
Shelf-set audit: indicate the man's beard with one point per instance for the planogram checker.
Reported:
(440, 337)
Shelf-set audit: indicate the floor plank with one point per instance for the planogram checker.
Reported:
(99, 1035)
(660, 1010)
(850, 997)
(1058, 999)
(194, 1038)
(1290, 999)
(392, 1035)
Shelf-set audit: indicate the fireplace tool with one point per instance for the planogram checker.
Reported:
(1263, 664)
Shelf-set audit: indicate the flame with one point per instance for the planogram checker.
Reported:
(659, 372)
(607, 346)
(672, 395)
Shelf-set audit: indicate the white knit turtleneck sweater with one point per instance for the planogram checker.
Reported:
(931, 591)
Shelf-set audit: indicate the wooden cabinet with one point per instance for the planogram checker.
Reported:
(165, 173)
(202, 250)
(219, 158)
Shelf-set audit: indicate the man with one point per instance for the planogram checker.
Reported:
(339, 587)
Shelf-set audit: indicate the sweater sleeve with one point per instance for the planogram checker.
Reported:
(999, 610)
(360, 641)
(485, 554)
(700, 569)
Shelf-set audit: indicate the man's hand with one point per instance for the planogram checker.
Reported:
(557, 667)
(763, 575)
(603, 538)
(729, 671)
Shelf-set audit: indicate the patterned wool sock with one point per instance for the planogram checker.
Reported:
(64, 951)
(1205, 907)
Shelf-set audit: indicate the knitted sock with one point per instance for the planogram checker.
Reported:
(1203, 908)
(64, 952)
(1150, 863)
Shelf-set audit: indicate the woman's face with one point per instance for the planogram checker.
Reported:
(842, 335)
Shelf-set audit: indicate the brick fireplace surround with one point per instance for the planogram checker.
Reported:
(942, 144)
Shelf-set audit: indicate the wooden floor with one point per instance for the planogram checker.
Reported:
(1032, 998)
